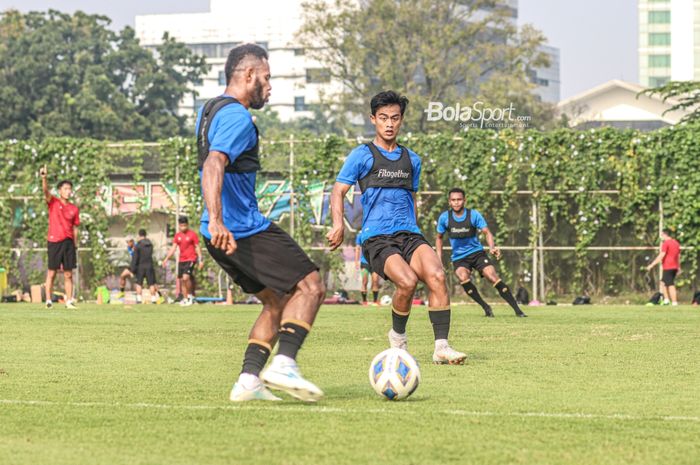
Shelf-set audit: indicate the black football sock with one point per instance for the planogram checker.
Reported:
(399, 320)
(292, 335)
(256, 356)
(507, 296)
(121, 289)
(440, 319)
(364, 297)
(375, 295)
(473, 292)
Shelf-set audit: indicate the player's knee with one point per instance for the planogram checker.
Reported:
(437, 277)
(67, 275)
(407, 283)
(314, 286)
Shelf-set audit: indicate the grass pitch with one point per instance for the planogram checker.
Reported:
(149, 385)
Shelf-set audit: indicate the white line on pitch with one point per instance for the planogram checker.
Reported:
(322, 409)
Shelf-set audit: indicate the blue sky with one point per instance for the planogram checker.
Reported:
(597, 38)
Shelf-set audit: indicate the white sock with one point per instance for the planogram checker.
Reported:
(666, 301)
(248, 381)
(674, 303)
(441, 344)
(49, 301)
(153, 299)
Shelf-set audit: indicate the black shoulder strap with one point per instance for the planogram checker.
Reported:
(373, 148)
(211, 108)
(363, 182)
(469, 218)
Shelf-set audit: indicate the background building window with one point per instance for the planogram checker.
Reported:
(659, 17)
(658, 81)
(660, 38)
(299, 104)
(199, 103)
(659, 61)
(318, 75)
(222, 78)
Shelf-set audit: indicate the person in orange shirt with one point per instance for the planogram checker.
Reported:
(670, 259)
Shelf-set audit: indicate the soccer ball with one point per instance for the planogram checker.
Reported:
(385, 300)
(394, 374)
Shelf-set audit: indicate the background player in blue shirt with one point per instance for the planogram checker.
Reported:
(258, 255)
(362, 265)
(389, 175)
(464, 225)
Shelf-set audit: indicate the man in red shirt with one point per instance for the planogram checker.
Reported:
(670, 259)
(64, 220)
(190, 254)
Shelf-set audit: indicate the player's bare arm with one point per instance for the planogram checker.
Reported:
(200, 258)
(170, 253)
(335, 235)
(43, 172)
(495, 251)
(656, 261)
(212, 179)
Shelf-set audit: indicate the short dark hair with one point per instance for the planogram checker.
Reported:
(667, 231)
(182, 220)
(388, 97)
(62, 183)
(142, 232)
(238, 53)
(457, 190)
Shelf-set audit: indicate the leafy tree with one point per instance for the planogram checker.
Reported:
(69, 75)
(685, 93)
(431, 50)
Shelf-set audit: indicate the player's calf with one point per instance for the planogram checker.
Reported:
(300, 311)
(506, 295)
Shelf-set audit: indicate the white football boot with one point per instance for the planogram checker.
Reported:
(283, 375)
(254, 390)
(446, 355)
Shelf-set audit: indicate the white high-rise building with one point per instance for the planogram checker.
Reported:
(669, 41)
(297, 81)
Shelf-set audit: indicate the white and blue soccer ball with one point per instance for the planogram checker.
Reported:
(394, 374)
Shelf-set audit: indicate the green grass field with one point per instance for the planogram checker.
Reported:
(149, 385)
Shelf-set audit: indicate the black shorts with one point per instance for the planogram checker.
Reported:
(62, 254)
(474, 261)
(185, 268)
(148, 273)
(378, 248)
(668, 277)
(269, 259)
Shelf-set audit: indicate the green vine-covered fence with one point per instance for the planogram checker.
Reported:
(597, 192)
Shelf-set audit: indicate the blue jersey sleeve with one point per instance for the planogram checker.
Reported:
(478, 221)
(442, 223)
(231, 132)
(356, 166)
(358, 239)
(417, 165)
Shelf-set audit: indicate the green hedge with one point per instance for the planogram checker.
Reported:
(644, 167)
